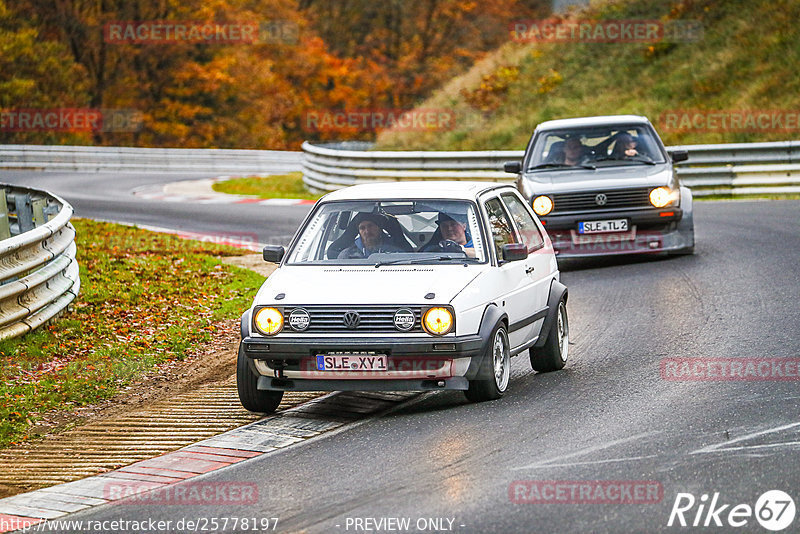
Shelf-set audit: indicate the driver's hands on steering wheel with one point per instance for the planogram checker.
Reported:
(448, 245)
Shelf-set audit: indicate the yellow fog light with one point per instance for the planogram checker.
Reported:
(269, 321)
(661, 196)
(542, 205)
(438, 321)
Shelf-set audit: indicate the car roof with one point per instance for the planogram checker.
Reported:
(456, 190)
(605, 120)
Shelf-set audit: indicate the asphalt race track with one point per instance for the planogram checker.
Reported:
(613, 415)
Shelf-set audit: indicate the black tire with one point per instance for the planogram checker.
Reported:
(492, 382)
(553, 355)
(253, 399)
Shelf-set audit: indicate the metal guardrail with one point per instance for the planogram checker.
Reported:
(131, 159)
(729, 169)
(38, 270)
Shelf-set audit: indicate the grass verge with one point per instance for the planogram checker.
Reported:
(146, 299)
(279, 186)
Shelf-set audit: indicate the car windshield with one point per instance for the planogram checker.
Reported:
(390, 232)
(594, 147)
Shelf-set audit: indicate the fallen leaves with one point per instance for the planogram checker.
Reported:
(146, 299)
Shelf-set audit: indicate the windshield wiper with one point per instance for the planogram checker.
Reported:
(560, 165)
(417, 261)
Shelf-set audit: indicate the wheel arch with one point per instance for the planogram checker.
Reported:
(492, 316)
(244, 328)
(558, 291)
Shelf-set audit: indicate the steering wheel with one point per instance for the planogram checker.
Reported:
(448, 245)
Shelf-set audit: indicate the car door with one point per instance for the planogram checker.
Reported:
(538, 266)
(512, 283)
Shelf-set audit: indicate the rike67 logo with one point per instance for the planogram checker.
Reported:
(774, 510)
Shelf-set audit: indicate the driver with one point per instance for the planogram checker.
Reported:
(455, 237)
(371, 238)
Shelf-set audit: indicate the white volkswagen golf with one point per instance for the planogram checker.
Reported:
(406, 286)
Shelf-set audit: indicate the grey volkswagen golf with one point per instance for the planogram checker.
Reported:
(606, 185)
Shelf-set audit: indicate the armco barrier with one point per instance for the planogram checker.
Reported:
(729, 169)
(38, 269)
(160, 160)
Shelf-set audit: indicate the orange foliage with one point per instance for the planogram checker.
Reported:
(317, 55)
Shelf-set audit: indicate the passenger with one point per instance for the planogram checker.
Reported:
(626, 148)
(455, 236)
(371, 238)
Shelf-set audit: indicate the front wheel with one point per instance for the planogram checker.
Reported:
(495, 369)
(252, 398)
(553, 355)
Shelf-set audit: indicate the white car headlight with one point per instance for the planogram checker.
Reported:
(542, 205)
(662, 196)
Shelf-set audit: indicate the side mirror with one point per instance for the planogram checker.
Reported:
(512, 167)
(273, 253)
(515, 251)
(679, 155)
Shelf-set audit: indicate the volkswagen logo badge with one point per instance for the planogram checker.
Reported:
(351, 319)
(404, 319)
(601, 199)
(299, 319)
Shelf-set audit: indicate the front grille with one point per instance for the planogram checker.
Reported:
(373, 319)
(623, 198)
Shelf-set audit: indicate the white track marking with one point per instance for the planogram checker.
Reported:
(588, 450)
(726, 445)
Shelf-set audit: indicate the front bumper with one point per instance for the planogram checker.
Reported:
(278, 384)
(651, 231)
(414, 364)
(638, 217)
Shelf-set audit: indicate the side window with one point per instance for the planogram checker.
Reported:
(531, 235)
(500, 225)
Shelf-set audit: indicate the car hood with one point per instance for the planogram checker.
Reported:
(621, 177)
(364, 284)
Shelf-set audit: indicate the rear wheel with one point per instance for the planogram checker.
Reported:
(553, 355)
(495, 369)
(252, 398)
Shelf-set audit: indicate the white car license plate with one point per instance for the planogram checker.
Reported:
(352, 362)
(597, 227)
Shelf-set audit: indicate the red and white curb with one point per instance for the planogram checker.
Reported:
(174, 192)
(287, 428)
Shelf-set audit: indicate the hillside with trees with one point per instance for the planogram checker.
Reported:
(741, 64)
(310, 55)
